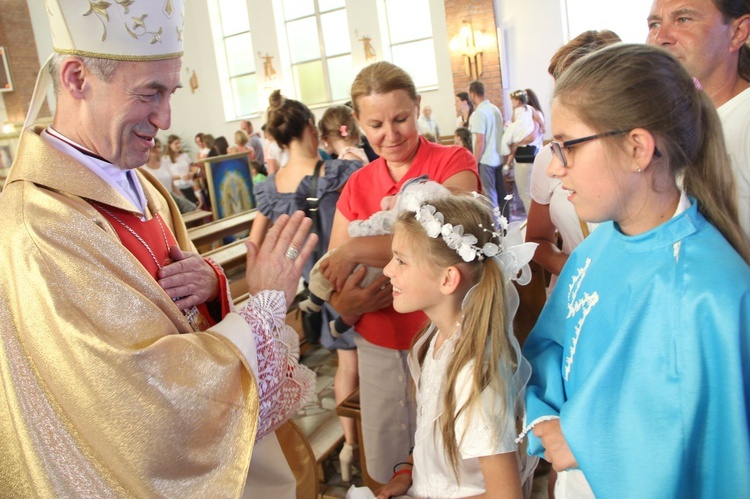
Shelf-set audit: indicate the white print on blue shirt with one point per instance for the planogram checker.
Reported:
(575, 306)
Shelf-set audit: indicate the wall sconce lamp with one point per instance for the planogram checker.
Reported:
(470, 44)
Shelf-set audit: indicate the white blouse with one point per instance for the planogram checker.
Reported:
(479, 432)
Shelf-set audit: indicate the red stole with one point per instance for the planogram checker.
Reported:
(156, 235)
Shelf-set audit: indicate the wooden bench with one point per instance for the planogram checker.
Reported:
(215, 231)
(230, 255)
(197, 217)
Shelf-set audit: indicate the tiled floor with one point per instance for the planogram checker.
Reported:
(322, 409)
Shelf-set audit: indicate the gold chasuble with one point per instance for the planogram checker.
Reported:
(107, 391)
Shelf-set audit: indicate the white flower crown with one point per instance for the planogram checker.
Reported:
(510, 251)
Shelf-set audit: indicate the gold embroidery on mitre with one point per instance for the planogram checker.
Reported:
(168, 8)
(100, 9)
(157, 26)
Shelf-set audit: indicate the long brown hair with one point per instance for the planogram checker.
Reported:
(485, 324)
(626, 86)
(168, 150)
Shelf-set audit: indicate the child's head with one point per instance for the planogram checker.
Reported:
(433, 250)
(642, 96)
(449, 243)
(519, 98)
(240, 138)
(256, 167)
(462, 137)
(338, 128)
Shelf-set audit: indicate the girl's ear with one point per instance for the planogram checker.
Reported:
(642, 148)
(450, 280)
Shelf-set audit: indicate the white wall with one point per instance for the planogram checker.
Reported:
(43, 39)
(532, 32)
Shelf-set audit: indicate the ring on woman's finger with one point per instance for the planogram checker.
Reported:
(292, 253)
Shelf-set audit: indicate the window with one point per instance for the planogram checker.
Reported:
(410, 33)
(628, 19)
(235, 58)
(319, 49)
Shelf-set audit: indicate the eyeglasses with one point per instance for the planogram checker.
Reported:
(557, 147)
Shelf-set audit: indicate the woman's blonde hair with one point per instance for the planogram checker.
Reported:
(337, 121)
(485, 324)
(381, 78)
(240, 137)
(629, 86)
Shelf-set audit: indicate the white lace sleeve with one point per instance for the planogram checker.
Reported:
(284, 386)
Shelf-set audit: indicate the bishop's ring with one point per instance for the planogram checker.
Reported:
(292, 253)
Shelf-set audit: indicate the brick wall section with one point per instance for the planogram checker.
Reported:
(481, 13)
(17, 36)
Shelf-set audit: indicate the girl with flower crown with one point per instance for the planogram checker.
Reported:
(452, 262)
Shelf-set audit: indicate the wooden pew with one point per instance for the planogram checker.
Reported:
(230, 255)
(197, 217)
(214, 231)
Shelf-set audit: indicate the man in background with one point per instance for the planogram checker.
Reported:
(254, 140)
(486, 126)
(429, 125)
(710, 38)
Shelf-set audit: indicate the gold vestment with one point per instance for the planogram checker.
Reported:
(107, 392)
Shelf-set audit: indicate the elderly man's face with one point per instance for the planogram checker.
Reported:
(693, 31)
(123, 115)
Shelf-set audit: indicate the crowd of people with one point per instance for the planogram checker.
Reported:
(127, 370)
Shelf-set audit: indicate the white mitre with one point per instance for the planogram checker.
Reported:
(123, 30)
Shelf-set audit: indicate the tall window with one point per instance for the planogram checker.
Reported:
(410, 33)
(235, 59)
(319, 49)
(628, 19)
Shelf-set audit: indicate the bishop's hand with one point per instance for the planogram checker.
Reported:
(189, 280)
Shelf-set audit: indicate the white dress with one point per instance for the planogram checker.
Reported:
(162, 174)
(483, 432)
(517, 130)
(181, 166)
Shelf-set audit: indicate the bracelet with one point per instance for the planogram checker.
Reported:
(402, 462)
(400, 472)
